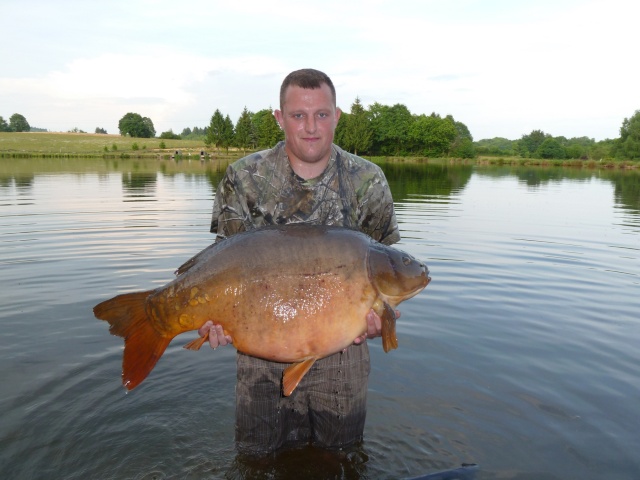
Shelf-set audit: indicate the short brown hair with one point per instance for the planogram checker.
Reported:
(306, 78)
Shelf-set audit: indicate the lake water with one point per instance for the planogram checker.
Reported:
(522, 355)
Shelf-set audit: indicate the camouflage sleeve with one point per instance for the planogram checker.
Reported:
(229, 208)
(377, 215)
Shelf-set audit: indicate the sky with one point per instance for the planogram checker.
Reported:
(502, 67)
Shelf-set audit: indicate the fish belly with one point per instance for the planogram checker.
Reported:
(281, 297)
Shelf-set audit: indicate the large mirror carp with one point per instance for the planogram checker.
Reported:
(290, 294)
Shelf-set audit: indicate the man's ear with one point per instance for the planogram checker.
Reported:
(338, 113)
(278, 114)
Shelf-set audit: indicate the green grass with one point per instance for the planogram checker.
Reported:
(78, 145)
(47, 144)
(541, 162)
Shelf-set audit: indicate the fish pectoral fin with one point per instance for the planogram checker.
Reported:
(294, 373)
(196, 344)
(389, 338)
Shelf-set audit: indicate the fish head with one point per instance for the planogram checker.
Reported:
(395, 274)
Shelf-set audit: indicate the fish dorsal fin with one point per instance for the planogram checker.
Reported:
(389, 339)
(193, 260)
(294, 373)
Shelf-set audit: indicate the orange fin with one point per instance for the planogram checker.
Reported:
(389, 339)
(294, 373)
(143, 345)
(197, 343)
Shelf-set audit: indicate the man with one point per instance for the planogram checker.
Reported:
(305, 179)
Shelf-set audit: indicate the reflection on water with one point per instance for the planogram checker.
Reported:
(139, 185)
(521, 355)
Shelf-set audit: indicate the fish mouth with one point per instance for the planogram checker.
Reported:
(425, 272)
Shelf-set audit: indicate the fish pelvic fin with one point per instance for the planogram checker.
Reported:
(196, 344)
(294, 373)
(389, 338)
(143, 345)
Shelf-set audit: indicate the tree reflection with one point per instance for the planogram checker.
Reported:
(406, 179)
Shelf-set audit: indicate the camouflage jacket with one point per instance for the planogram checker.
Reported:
(262, 189)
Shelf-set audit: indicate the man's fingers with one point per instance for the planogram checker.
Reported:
(203, 331)
(221, 337)
(213, 337)
(215, 334)
(374, 324)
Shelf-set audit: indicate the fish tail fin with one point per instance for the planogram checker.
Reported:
(389, 338)
(143, 345)
(294, 373)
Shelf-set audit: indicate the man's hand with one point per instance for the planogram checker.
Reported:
(374, 327)
(216, 335)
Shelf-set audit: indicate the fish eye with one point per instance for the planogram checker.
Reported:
(406, 260)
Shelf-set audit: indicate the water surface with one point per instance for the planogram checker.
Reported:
(521, 355)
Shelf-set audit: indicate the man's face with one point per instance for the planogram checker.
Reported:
(309, 118)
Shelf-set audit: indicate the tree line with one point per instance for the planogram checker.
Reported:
(383, 130)
(379, 130)
(17, 123)
(539, 144)
(394, 131)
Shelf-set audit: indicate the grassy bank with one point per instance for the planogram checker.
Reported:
(76, 145)
(515, 161)
(79, 145)
(541, 162)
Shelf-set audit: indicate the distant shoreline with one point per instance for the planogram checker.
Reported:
(110, 146)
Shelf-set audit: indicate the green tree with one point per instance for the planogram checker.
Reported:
(577, 147)
(135, 125)
(495, 146)
(390, 128)
(603, 149)
(528, 144)
(268, 132)
(628, 146)
(357, 132)
(245, 136)
(575, 151)
(169, 135)
(215, 132)
(228, 133)
(4, 126)
(338, 135)
(196, 133)
(463, 130)
(550, 148)
(432, 135)
(17, 123)
(101, 130)
(149, 127)
(462, 146)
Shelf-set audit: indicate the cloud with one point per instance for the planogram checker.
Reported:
(101, 89)
(564, 66)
